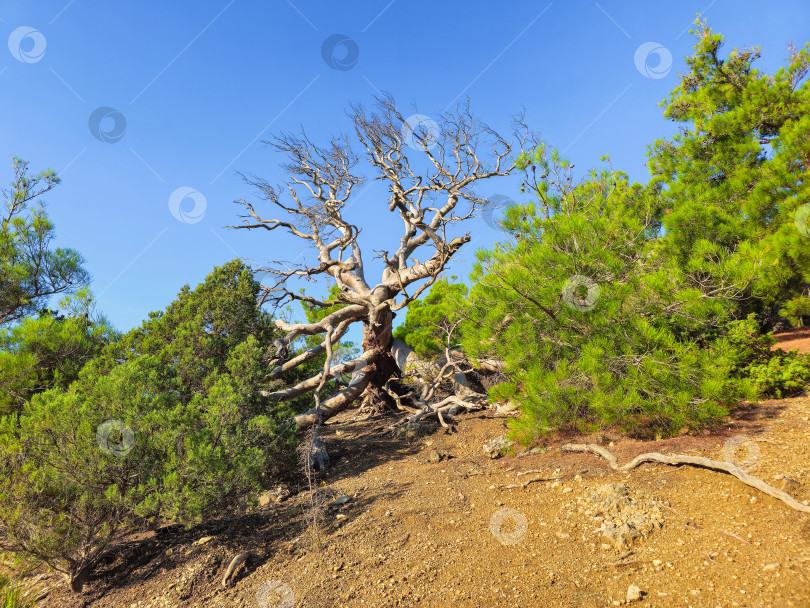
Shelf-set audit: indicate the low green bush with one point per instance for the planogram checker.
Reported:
(774, 372)
(167, 424)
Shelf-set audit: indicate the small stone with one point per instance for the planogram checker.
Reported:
(342, 500)
(438, 455)
(202, 541)
(770, 567)
(277, 494)
(792, 487)
(633, 593)
(567, 489)
(340, 516)
(657, 562)
(496, 447)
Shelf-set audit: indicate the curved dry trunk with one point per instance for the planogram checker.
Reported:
(426, 201)
(77, 578)
(372, 371)
(378, 338)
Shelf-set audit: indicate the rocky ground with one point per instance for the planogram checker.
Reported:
(424, 517)
(428, 520)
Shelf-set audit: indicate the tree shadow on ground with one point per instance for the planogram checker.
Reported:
(354, 447)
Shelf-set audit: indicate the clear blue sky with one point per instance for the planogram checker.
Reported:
(200, 84)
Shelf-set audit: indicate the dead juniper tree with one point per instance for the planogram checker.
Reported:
(431, 171)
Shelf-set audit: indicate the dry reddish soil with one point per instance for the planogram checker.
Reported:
(420, 533)
(797, 339)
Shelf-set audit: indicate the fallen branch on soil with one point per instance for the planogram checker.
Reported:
(620, 561)
(671, 509)
(527, 482)
(697, 461)
(732, 535)
(235, 563)
(518, 474)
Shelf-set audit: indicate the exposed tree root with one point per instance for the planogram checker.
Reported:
(696, 461)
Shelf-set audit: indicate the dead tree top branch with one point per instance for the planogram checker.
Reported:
(453, 156)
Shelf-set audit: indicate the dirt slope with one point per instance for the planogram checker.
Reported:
(797, 339)
(420, 533)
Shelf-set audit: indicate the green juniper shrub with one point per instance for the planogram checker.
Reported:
(167, 424)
